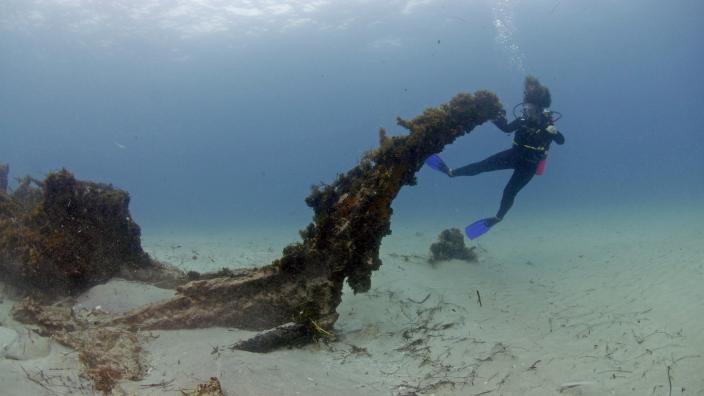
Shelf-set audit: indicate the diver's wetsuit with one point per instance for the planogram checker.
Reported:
(530, 145)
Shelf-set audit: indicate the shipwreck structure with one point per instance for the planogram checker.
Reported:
(294, 299)
(4, 172)
(301, 291)
(60, 236)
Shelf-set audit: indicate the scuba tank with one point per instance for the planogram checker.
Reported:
(549, 115)
(541, 166)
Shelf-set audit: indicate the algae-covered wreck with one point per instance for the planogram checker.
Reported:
(60, 236)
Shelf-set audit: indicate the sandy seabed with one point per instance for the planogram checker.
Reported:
(607, 302)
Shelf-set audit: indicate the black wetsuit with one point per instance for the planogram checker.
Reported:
(530, 145)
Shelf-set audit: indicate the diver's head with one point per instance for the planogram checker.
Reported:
(533, 112)
(537, 96)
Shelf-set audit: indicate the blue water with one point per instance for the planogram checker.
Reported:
(222, 113)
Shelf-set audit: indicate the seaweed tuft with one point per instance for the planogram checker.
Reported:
(450, 245)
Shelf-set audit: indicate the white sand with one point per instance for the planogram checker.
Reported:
(595, 303)
(25, 355)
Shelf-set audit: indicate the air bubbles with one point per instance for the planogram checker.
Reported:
(506, 32)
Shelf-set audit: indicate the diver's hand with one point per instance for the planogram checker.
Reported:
(551, 129)
(501, 115)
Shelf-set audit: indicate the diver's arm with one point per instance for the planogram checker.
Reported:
(505, 126)
(556, 135)
(559, 138)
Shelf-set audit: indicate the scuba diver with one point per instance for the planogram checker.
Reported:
(534, 132)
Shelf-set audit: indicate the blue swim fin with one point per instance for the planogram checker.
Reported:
(435, 162)
(480, 227)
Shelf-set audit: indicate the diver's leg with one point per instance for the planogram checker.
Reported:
(498, 161)
(521, 176)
